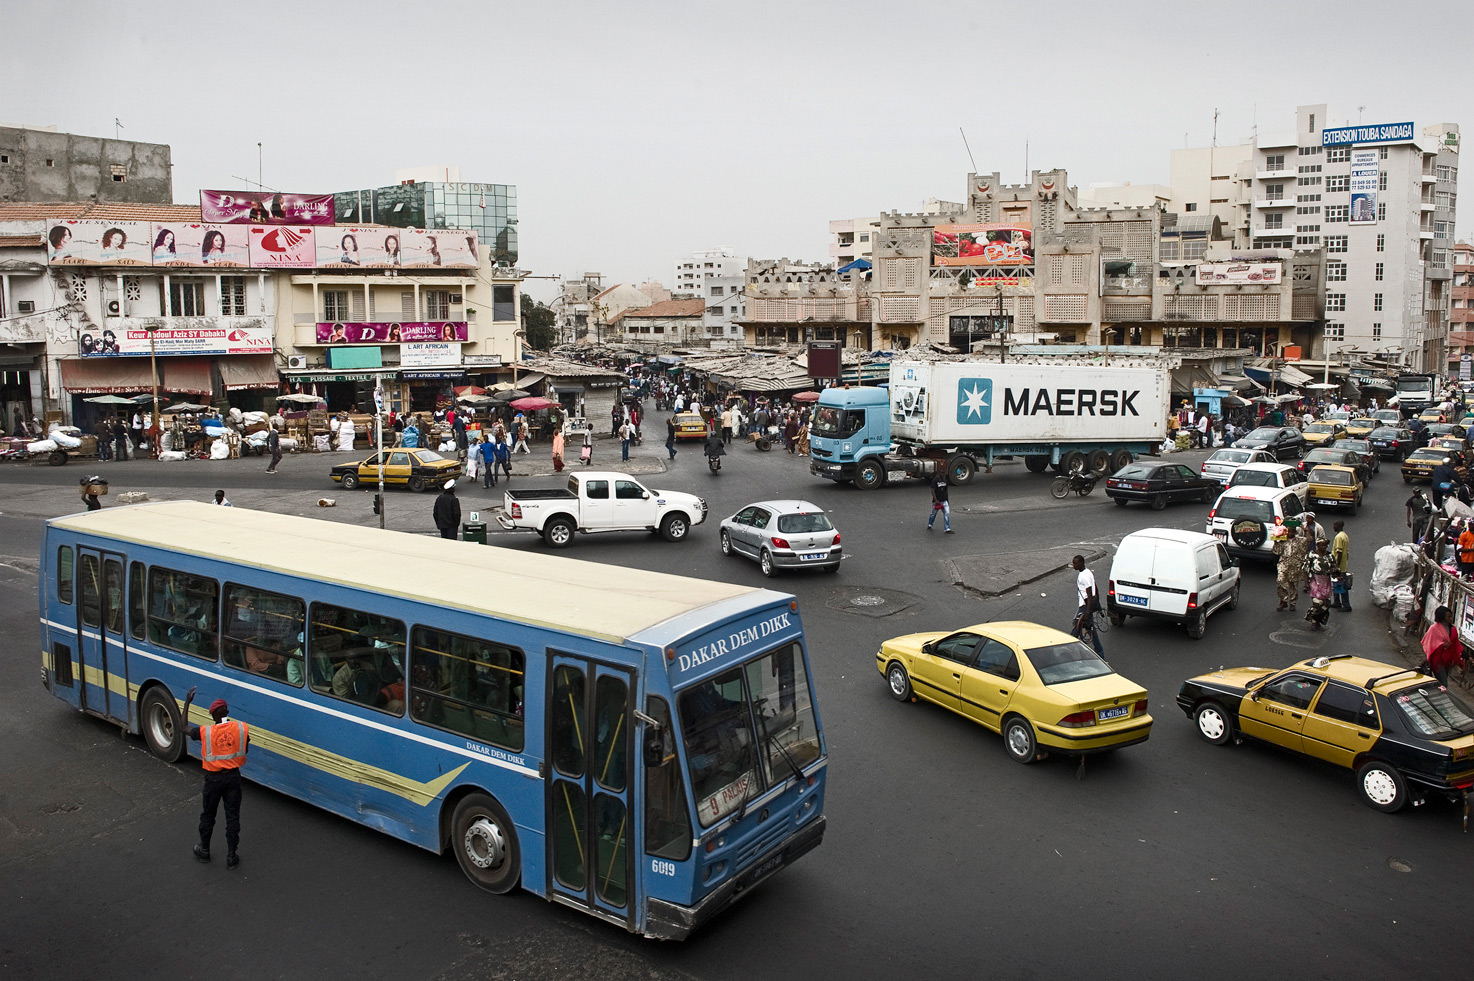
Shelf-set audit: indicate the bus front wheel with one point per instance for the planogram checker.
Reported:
(161, 726)
(485, 844)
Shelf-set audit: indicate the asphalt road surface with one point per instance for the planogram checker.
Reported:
(943, 857)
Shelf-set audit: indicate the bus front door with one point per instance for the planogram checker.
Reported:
(104, 688)
(591, 824)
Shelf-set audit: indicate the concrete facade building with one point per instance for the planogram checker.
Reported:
(715, 277)
(1461, 305)
(40, 164)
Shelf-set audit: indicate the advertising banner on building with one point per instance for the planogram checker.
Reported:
(443, 248)
(982, 245)
(1372, 133)
(98, 243)
(1364, 168)
(265, 208)
(429, 354)
(284, 247)
(177, 340)
(1238, 273)
(399, 332)
(196, 244)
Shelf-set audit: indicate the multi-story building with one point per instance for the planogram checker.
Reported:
(40, 164)
(489, 210)
(716, 277)
(850, 239)
(1379, 199)
(1461, 305)
(575, 308)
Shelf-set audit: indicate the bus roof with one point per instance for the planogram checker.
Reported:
(567, 594)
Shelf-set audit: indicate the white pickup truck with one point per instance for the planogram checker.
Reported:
(600, 501)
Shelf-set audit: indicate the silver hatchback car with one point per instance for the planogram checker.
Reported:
(783, 534)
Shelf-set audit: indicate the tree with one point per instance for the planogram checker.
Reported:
(537, 321)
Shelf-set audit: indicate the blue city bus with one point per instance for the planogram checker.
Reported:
(641, 746)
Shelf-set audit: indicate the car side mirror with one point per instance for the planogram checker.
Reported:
(644, 495)
(1233, 561)
(926, 648)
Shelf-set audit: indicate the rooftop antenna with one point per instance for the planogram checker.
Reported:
(969, 151)
(117, 128)
(1359, 111)
(1026, 158)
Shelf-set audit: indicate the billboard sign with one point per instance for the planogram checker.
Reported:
(439, 248)
(283, 246)
(1374, 133)
(1238, 273)
(428, 354)
(398, 332)
(98, 243)
(177, 340)
(197, 245)
(983, 245)
(265, 208)
(1364, 170)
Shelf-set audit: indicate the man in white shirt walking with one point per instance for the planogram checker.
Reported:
(1089, 602)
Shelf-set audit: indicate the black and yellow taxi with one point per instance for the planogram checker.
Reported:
(1403, 733)
(1434, 414)
(1323, 433)
(1332, 486)
(1420, 463)
(690, 425)
(416, 468)
(1361, 427)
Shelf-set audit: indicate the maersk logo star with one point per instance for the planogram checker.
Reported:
(975, 401)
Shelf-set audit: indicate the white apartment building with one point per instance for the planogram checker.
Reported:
(1379, 198)
(716, 277)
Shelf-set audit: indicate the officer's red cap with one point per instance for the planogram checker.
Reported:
(218, 707)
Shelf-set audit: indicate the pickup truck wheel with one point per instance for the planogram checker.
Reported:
(417, 484)
(558, 533)
(960, 470)
(869, 475)
(674, 527)
(350, 481)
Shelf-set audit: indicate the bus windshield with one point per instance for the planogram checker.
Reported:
(746, 729)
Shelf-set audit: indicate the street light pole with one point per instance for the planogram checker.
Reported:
(153, 423)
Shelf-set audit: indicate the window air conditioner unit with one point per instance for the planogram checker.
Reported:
(455, 298)
(113, 308)
(297, 362)
(26, 306)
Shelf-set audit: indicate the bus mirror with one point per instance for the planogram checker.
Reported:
(654, 751)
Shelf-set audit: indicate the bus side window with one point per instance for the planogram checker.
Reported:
(263, 632)
(473, 687)
(356, 656)
(91, 578)
(64, 574)
(183, 612)
(137, 602)
(667, 821)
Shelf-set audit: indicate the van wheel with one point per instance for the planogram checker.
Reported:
(1233, 598)
(1198, 625)
(485, 844)
(1118, 619)
(158, 718)
(558, 533)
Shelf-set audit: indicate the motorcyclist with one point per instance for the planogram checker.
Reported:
(714, 448)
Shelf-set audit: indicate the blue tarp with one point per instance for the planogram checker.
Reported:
(857, 264)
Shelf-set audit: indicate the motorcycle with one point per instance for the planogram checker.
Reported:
(1082, 482)
(714, 453)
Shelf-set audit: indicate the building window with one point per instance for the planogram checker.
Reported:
(1303, 198)
(1274, 161)
(1381, 153)
(1377, 302)
(1274, 221)
(1382, 182)
(1338, 154)
(1308, 209)
(1335, 243)
(1335, 272)
(1335, 332)
(1335, 302)
(186, 298)
(1440, 229)
(335, 305)
(51, 161)
(504, 303)
(716, 291)
(1307, 240)
(1169, 251)
(437, 304)
(1190, 206)
(1335, 184)
(1307, 228)
(1309, 169)
(1376, 332)
(1382, 211)
(1381, 243)
(1274, 192)
(1336, 213)
(1194, 249)
(232, 296)
(1442, 171)
(1379, 272)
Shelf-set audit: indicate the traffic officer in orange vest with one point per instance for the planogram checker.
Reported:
(223, 747)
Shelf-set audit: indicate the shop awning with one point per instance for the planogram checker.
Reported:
(1291, 375)
(530, 379)
(106, 376)
(248, 371)
(186, 376)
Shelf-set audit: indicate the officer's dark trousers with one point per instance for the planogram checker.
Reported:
(222, 785)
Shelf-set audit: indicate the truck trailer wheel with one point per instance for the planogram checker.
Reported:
(960, 470)
(869, 475)
(1100, 460)
(1071, 461)
(1036, 463)
(1120, 459)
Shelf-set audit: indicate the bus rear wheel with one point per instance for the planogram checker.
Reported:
(485, 844)
(160, 724)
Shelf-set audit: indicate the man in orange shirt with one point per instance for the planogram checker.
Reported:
(223, 746)
(1466, 551)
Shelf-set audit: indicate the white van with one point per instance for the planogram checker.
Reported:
(1167, 574)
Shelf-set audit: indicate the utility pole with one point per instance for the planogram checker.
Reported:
(379, 438)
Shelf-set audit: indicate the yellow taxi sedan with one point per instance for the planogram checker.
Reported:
(690, 425)
(1419, 465)
(1039, 687)
(1361, 428)
(1337, 487)
(417, 469)
(1323, 433)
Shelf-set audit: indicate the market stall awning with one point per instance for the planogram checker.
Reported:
(248, 371)
(1291, 375)
(106, 376)
(189, 376)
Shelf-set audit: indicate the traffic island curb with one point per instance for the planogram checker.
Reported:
(1002, 572)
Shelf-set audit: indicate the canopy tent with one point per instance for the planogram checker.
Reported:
(110, 400)
(861, 264)
(470, 390)
(300, 398)
(809, 396)
(510, 395)
(534, 403)
(184, 407)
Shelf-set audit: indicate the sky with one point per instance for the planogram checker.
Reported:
(639, 131)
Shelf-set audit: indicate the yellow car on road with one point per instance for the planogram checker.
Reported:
(1360, 428)
(690, 425)
(418, 469)
(1419, 466)
(1038, 686)
(1337, 487)
(1323, 433)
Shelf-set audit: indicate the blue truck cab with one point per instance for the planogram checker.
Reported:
(849, 425)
